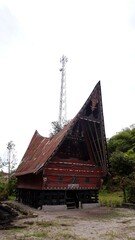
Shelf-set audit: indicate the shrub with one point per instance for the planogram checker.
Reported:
(3, 191)
(11, 186)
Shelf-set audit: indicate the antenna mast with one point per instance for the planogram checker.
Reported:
(63, 107)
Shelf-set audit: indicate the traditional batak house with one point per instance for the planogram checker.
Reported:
(70, 166)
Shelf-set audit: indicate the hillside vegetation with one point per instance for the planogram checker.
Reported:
(121, 153)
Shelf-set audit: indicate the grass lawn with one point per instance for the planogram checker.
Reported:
(111, 199)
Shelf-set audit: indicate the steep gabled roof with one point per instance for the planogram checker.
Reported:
(41, 149)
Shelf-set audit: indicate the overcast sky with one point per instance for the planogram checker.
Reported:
(97, 36)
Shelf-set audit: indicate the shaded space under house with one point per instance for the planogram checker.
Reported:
(70, 166)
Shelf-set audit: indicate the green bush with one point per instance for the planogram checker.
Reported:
(3, 191)
(7, 189)
(12, 186)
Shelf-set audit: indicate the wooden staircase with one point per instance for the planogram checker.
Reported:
(70, 203)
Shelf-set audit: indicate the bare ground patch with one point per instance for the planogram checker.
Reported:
(89, 223)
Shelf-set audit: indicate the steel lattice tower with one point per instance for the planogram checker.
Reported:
(63, 106)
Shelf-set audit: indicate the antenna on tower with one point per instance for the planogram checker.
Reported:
(63, 107)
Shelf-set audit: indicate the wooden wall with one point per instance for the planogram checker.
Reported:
(71, 174)
(30, 181)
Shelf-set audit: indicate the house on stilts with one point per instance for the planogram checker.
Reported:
(70, 166)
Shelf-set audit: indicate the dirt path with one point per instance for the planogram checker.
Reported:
(57, 223)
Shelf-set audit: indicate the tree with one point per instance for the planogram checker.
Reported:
(120, 142)
(120, 164)
(0, 164)
(121, 149)
(121, 169)
(123, 142)
(11, 160)
(55, 128)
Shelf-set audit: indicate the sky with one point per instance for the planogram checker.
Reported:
(97, 37)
